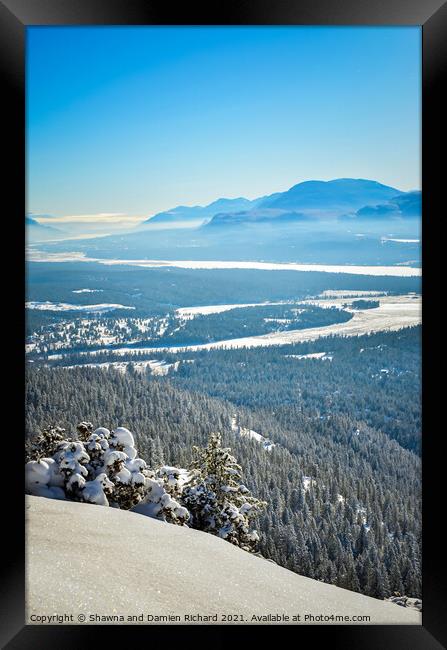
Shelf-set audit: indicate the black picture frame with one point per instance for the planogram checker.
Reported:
(15, 17)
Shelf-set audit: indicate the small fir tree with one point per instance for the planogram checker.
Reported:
(217, 499)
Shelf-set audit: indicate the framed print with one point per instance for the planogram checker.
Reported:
(227, 213)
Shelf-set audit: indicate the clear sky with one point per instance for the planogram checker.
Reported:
(135, 120)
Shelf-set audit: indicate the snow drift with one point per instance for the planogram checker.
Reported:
(93, 562)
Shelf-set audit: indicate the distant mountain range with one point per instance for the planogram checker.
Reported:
(343, 194)
(197, 212)
(344, 197)
(266, 215)
(404, 206)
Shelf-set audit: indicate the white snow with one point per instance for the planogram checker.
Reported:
(43, 479)
(64, 306)
(35, 255)
(87, 290)
(102, 431)
(91, 332)
(271, 266)
(362, 512)
(159, 500)
(144, 566)
(122, 436)
(350, 293)
(308, 482)
(174, 476)
(205, 310)
(324, 356)
(93, 491)
(37, 473)
(244, 432)
(393, 313)
(401, 241)
(279, 320)
(157, 368)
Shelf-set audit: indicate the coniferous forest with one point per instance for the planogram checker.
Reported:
(342, 476)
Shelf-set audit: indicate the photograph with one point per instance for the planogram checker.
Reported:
(223, 319)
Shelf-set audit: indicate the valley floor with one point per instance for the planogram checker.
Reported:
(393, 313)
(86, 561)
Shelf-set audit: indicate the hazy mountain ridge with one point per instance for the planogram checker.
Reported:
(404, 206)
(267, 215)
(39, 231)
(183, 212)
(240, 229)
(319, 198)
(339, 194)
(29, 221)
(338, 199)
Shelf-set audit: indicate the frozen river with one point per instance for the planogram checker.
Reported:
(35, 255)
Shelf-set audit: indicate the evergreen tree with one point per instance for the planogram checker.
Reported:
(218, 501)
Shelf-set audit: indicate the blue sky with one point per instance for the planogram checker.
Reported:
(128, 121)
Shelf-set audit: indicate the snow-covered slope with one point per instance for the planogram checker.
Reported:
(93, 561)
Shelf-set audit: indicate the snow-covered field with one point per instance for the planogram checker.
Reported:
(65, 306)
(350, 293)
(401, 241)
(323, 356)
(87, 290)
(393, 313)
(205, 310)
(273, 266)
(85, 560)
(93, 332)
(34, 255)
(157, 368)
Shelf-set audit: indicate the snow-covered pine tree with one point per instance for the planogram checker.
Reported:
(217, 499)
(72, 460)
(44, 444)
(127, 472)
(84, 430)
(158, 503)
(103, 468)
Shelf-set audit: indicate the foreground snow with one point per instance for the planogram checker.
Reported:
(84, 560)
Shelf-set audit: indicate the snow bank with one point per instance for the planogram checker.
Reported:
(165, 571)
